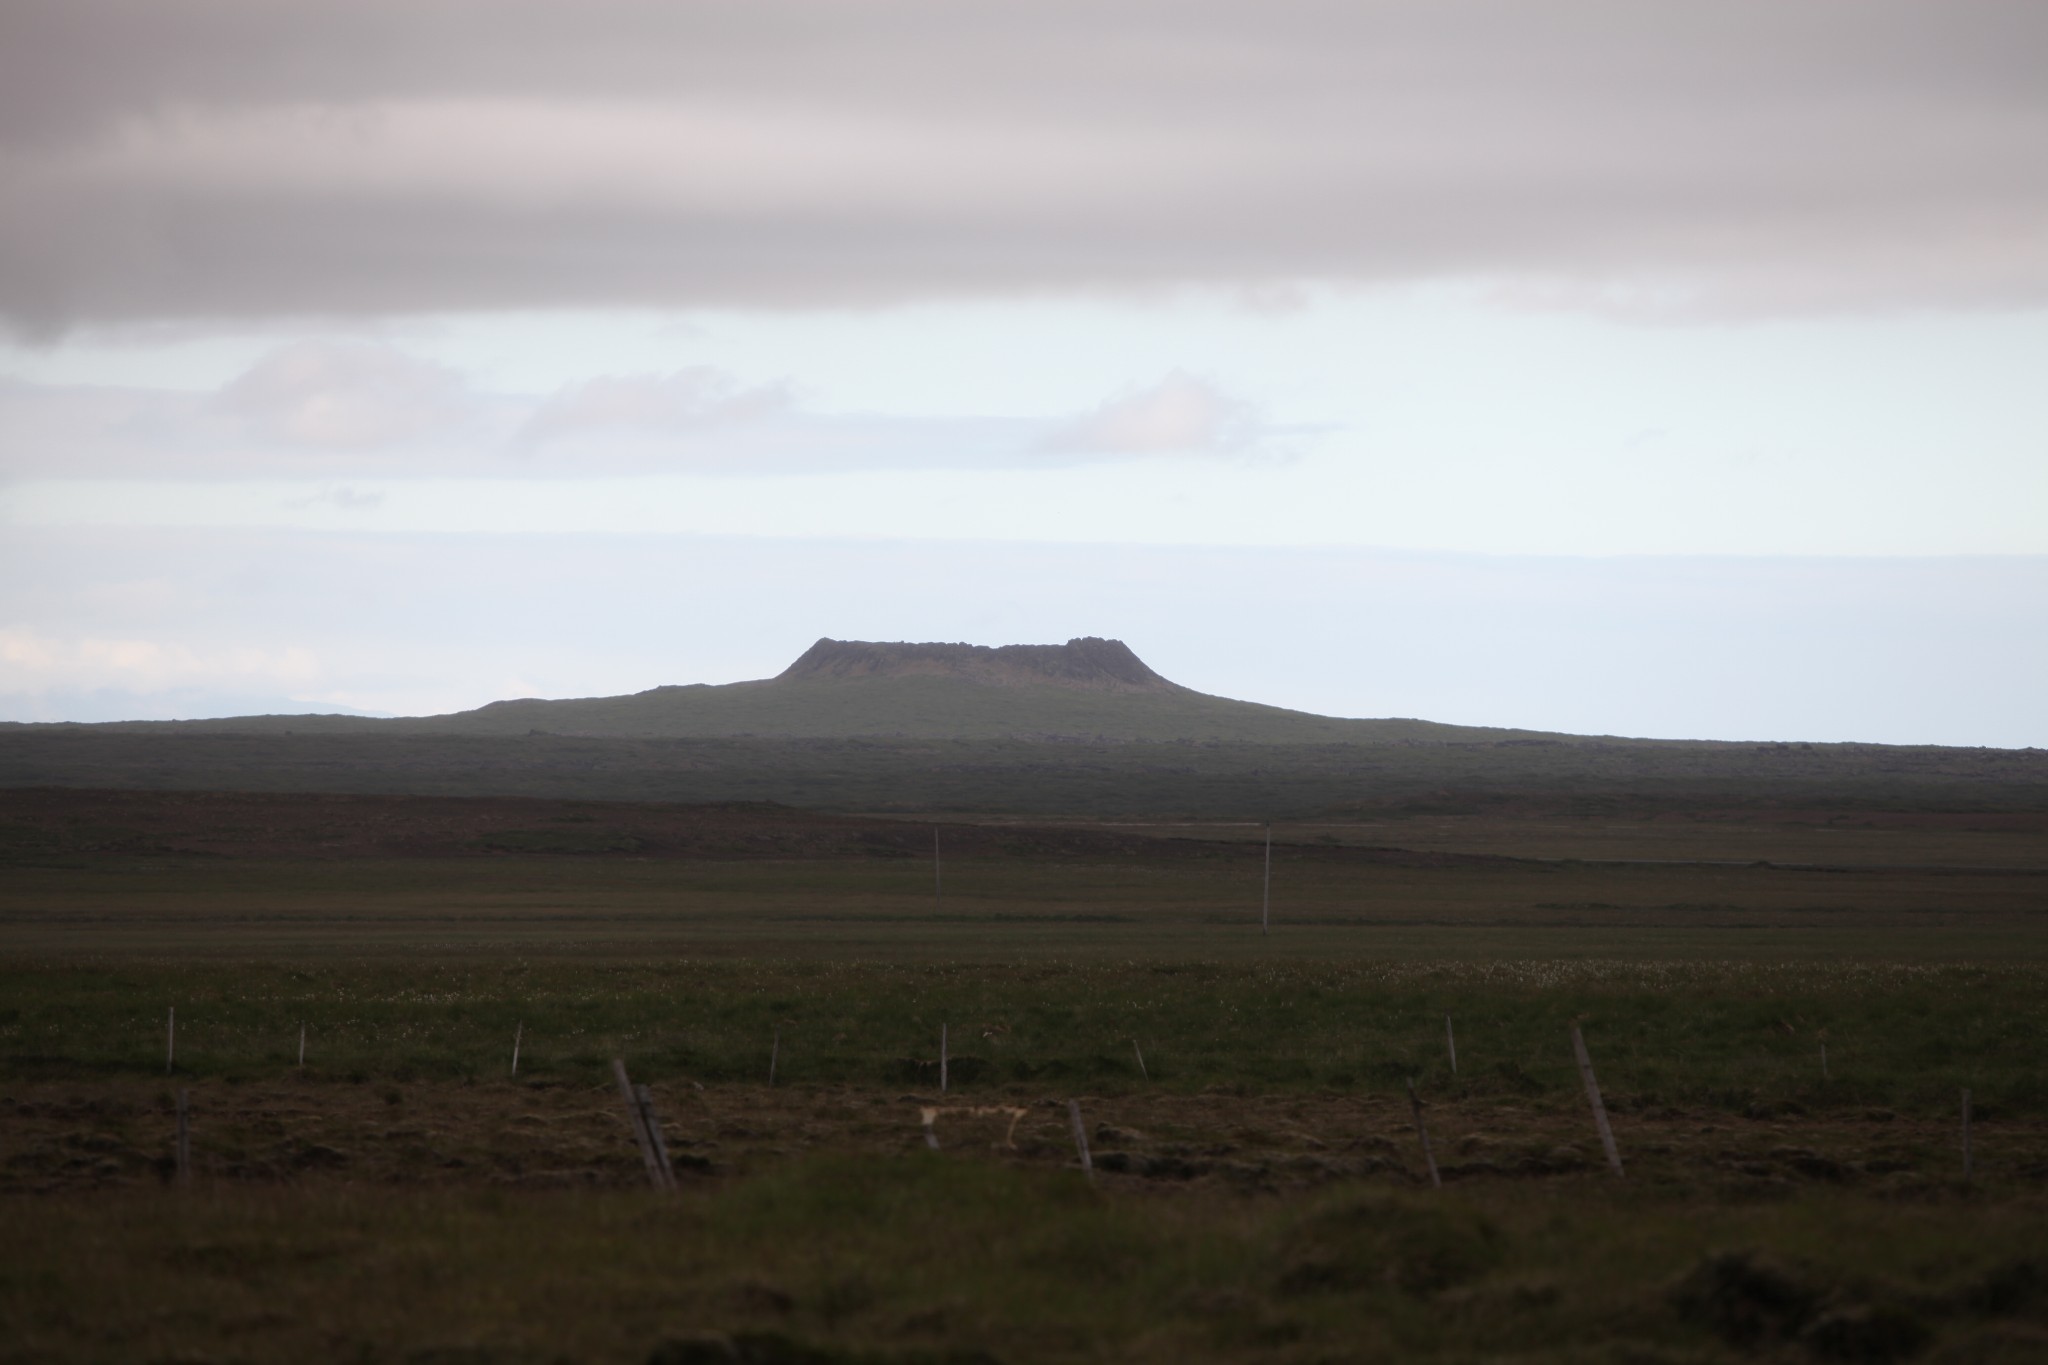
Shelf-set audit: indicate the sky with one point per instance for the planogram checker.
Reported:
(1590, 365)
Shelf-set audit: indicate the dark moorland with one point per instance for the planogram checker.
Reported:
(1085, 778)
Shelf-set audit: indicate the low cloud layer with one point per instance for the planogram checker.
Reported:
(73, 662)
(244, 158)
(362, 409)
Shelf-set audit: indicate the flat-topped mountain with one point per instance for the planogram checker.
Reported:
(1087, 688)
(1087, 664)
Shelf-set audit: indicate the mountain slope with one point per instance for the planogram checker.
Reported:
(1088, 688)
(841, 689)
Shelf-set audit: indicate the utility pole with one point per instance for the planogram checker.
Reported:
(1266, 895)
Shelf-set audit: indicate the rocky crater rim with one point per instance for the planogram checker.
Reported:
(1087, 663)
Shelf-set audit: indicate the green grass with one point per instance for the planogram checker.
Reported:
(1731, 1036)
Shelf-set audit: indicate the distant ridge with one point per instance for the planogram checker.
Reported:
(1086, 689)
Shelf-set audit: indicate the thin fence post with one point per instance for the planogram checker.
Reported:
(652, 1121)
(518, 1032)
(1142, 1072)
(774, 1054)
(184, 1147)
(171, 1040)
(1266, 889)
(942, 1059)
(638, 1123)
(1593, 1098)
(1436, 1181)
(1969, 1162)
(302, 1046)
(1080, 1138)
(1451, 1044)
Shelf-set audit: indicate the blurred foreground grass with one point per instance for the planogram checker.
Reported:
(935, 1257)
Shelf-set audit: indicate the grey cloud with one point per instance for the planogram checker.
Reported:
(307, 409)
(247, 159)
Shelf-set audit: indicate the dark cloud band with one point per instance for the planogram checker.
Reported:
(241, 158)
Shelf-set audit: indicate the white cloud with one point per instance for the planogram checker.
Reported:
(361, 410)
(1180, 415)
(688, 400)
(344, 395)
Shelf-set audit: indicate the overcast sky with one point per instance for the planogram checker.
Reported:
(1603, 365)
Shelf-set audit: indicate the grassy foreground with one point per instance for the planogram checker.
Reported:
(1259, 1190)
(935, 1258)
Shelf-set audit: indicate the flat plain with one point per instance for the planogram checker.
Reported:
(1259, 1189)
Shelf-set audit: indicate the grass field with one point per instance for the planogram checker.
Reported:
(1260, 1190)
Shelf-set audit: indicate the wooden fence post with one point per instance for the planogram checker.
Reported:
(1142, 1072)
(184, 1148)
(302, 1046)
(1436, 1181)
(1451, 1043)
(1969, 1157)
(638, 1123)
(1080, 1138)
(518, 1032)
(1593, 1098)
(652, 1121)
